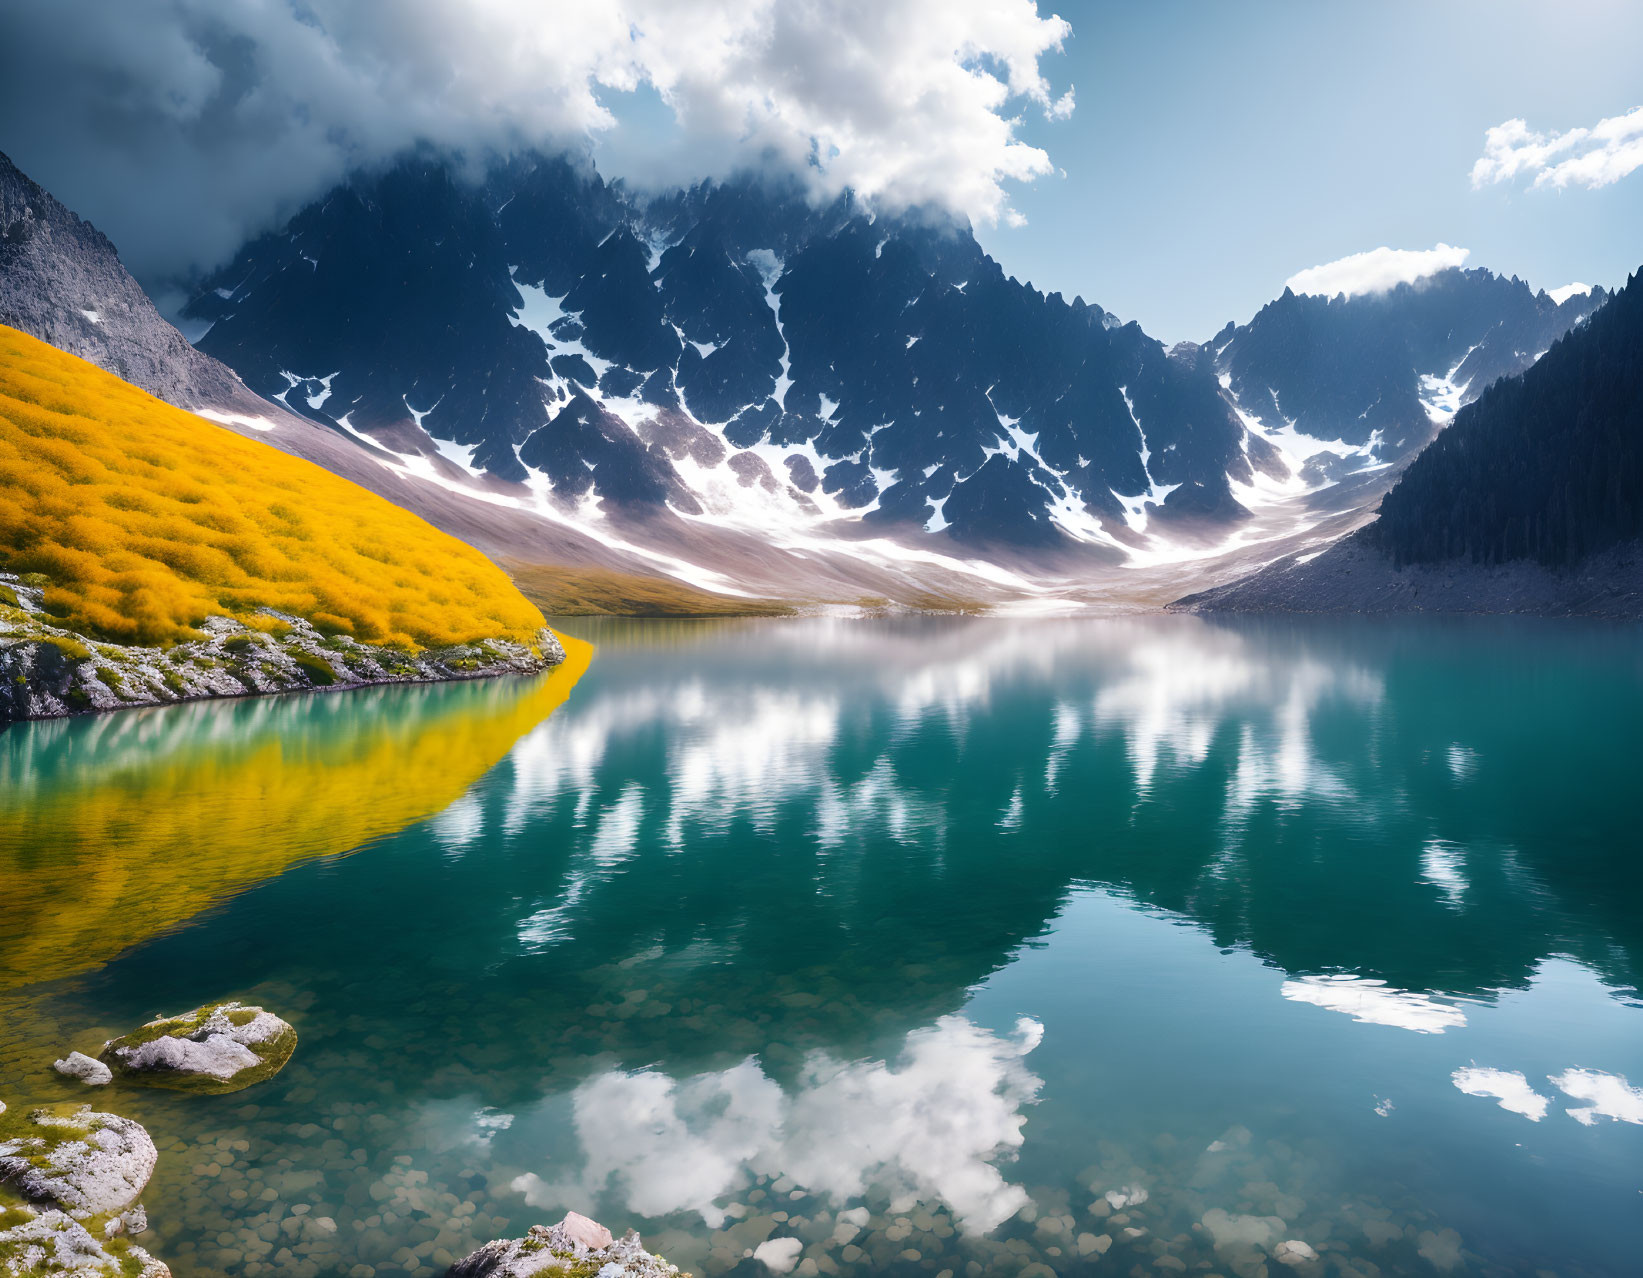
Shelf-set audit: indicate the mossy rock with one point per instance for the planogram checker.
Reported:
(75, 1159)
(72, 650)
(81, 1248)
(319, 671)
(213, 1050)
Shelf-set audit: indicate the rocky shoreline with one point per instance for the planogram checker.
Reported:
(47, 672)
(1354, 576)
(71, 1177)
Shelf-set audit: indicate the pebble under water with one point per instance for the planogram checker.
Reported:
(909, 947)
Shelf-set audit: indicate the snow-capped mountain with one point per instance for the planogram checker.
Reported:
(1531, 502)
(1346, 381)
(735, 389)
(730, 354)
(733, 360)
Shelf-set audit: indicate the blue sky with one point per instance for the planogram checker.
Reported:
(1218, 149)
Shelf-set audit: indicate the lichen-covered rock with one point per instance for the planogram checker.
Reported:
(574, 1248)
(35, 1242)
(221, 1047)
(85, 1163)
(88, 1069)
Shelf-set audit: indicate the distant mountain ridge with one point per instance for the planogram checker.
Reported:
(1532, 500)
(845, 364)
(735, 356)
(756, 397)
(1379, 371)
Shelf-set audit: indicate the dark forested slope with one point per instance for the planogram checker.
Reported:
(1547, 466)
(1531, 501)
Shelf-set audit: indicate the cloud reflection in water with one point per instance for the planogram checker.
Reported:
(927, 1127)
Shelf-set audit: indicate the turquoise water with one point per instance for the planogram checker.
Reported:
(931, 945)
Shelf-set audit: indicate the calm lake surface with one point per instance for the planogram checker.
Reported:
(933, 946)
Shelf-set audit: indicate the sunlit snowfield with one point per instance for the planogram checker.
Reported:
(902, 947)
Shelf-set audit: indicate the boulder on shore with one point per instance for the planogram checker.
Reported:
(86, 1163)
(221, 1047)
(68, 1179)
(574, 1248)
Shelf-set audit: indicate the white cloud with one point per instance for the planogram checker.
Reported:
(232, 115)
(1563, 294)
(1508, 1087)
(1593, 157)
(1376, 271)
(928, 1127)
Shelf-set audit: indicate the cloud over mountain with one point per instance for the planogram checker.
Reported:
(1375, 271)
(220, 117)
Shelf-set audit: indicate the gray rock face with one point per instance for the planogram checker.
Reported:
(87, 1069)
(220, 1047)
(84, 1163)
(575, 1240)
(61, 281)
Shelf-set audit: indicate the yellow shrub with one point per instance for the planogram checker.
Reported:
(147, 520)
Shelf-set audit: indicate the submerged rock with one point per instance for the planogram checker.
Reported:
(221, 1047)
(85, 1163)
(1232, 1230)
(576, 1248)
(87, 1069)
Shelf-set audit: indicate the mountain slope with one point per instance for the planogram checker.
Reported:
(1379, 373)
(57, 271)
(231, 566)
(1532, 500)
(746, 350)
(1546, 467)
(64, 284)
(728, 373)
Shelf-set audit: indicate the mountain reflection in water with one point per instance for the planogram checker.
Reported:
(967, 938)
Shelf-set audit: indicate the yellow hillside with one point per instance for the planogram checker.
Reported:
(147, 519)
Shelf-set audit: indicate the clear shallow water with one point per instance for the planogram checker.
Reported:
(908, 940)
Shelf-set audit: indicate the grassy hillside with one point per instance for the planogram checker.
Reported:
(146, 519)
(565, 592)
